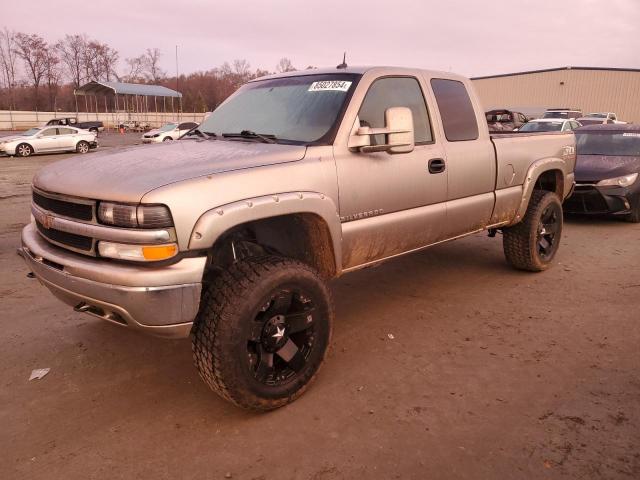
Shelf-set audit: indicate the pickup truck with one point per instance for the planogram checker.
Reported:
(231, 234)
(94, 127)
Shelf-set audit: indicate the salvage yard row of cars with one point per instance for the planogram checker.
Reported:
(608, 163)
(69, 135)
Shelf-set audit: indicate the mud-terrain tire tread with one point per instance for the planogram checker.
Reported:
(220, 302)
(517, 241)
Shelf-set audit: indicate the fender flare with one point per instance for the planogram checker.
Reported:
(535, 170)
(215, 222)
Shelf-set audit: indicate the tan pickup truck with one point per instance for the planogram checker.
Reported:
(231, 234)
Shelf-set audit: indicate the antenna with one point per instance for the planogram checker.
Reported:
(344, 61)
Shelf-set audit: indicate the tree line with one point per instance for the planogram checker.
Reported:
(40, 75)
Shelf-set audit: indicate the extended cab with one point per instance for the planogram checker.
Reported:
(231, 233)
(92, 126)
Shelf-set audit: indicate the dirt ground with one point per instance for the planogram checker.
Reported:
(445, 364)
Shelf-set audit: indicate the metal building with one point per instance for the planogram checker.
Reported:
(589, 89)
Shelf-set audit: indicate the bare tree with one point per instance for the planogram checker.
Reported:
(135, 68)
(285, 65)
(71, 51)
(8, 57)
(32, 49)
(52, 77)
(242, 69)
(152, 65)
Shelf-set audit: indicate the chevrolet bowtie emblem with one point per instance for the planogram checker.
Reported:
(47, 221)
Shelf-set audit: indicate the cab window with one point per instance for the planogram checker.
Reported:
(456, 111)
(391, 92)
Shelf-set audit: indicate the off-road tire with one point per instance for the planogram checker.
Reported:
(24, 150)
(520, 242)
(83, 147)
(229, 305)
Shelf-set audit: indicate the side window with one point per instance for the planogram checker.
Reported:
(395, 92)
(65, 131)
(49, 132)
(456, 110)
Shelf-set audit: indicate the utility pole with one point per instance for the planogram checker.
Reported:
(177, 80)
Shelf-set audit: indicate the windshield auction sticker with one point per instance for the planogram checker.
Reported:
(330, 85)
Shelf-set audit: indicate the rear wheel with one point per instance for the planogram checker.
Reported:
(83, 147)
(24, 150)
(262, 331)
(94, 130)
(533, 243)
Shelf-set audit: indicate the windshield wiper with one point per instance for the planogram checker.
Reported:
(250, 134)
(200, 133)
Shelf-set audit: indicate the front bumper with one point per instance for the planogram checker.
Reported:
(588, 198)
(162, 301)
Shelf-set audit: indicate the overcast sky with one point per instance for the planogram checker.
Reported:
(471, 37)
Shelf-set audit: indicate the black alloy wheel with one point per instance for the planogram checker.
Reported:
(281, 338)
(548, 230)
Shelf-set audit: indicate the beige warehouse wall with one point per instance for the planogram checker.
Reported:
(589, 90)
(21, 120)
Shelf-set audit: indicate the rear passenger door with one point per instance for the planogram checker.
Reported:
(67, 138)
(471, 161)
(391, 203)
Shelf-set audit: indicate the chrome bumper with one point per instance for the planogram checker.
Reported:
(162, 301)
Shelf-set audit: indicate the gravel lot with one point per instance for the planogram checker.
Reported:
(445, 364)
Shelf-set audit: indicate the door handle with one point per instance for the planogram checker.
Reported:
(437, 165)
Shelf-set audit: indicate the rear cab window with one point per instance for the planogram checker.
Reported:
(456, 111)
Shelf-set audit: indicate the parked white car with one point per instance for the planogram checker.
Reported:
(603, 117)
(550, 125)
(48, 139)
(170, 131)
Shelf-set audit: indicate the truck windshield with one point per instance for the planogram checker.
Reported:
(541, 127)
(555, 115)
(625, 144)
(300, 110)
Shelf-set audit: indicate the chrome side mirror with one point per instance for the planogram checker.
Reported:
(398, 131)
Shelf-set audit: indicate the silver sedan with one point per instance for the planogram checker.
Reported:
(48, 139)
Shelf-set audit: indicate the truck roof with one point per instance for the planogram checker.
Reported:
(361, 69)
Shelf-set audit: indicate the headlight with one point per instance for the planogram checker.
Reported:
(137, 253)
(134, 216)
(623, 181)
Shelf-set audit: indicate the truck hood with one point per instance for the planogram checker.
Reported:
(125, 175)
(593, 168)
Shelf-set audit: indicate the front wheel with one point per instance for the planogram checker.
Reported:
(262, 331)
(24, 150)
(83, 147)
(533, 243)
(167, 139)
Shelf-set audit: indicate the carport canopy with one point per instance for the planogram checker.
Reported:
(119, 88)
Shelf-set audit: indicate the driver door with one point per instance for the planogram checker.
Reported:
(391, 203)
(47, 140)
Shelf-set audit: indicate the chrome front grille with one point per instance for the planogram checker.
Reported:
(69, 207)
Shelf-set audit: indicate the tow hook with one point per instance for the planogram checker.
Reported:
(492, 232)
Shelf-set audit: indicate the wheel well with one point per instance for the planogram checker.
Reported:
(302, 236)
(551, 181)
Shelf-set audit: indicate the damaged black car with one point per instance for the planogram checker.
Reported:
(607, 171)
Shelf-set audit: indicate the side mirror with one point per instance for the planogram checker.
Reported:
(398, 131)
